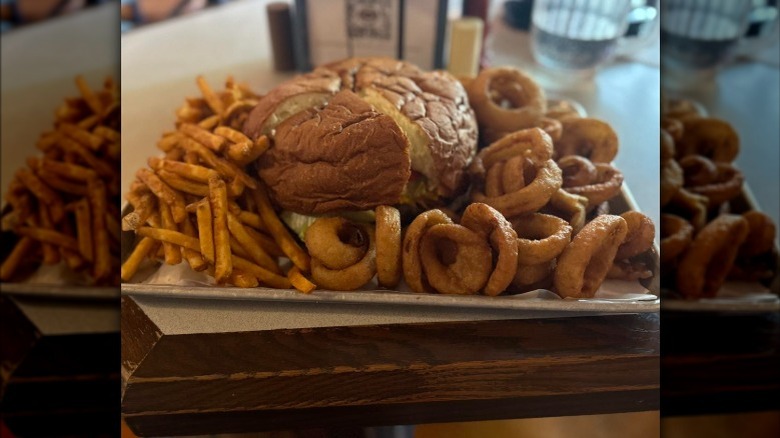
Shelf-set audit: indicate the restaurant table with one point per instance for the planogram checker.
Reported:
(724, 362)
(195, 366)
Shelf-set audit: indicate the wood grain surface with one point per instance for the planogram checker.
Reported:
(385, 374)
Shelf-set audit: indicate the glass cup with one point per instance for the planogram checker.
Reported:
(576, 35)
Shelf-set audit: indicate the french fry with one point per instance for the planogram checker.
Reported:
(209, 122)
(213, 101)
(114, 151)
(89, 122)
(235, 188)
(165, 193)
(43, 192)
(107, 133)
(232, 135)
(73, 147)
(47, 140)
(82, 136)
(170, 236)
(202, 136)
(225, 168)
(194, 258)
(97, 203)
(22, 249)
(172, 253)
(299, 281)
(190, 171)
(84, 229)
(146, 246)
(243, 279)
(251, 219)
(265, 276)
(181, 184)
(73, 260)
(219, 211)
(237, 249)
(191, 157)
(205, 231)
(169, 142)
(279, 232)
(53, 180)
(175, 154)
(49, 236)
(256, 252)
(89, 97)
(113, 226)
(50, 254)
(268, 243)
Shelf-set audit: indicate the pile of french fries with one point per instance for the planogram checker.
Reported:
(63, 205)
(198, 204)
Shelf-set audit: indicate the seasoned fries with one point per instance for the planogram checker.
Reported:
(59, 204)
(227, 227)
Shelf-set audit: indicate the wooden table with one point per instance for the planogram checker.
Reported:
(184, 375)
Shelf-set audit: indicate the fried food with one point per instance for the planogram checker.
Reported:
(351, 277)
(591, 138)
(676, 236)
(540, 238)
(584, 263)
(569, 207)
(710, 137)
(709, 258)
(299, 281)
(639, 237)
(410, 260)
(725, 186)
(761, 236)
(604, 187)
(493, 227)
(336, 242)
(455, 259)
(388, 246)
(577, 171)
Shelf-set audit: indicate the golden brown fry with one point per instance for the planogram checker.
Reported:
(107, 133)
(268, 243)
(43, 192)
(219, 210)
(170, 141)
(279, 231)
(23, 247)
(84, 229)
(73, 259)
(89, 122)
(225, 168)
(265, 276)
(50, 236)
(205, 231)
(102, 167)
(243, 279)
(164, 192)
(172, 253)
(235, 188)
(145, 247)
(209, 122)
(170, 236)
(251, 219)
(50, 254)
(97, 203)
(232, 134)
(63, 185)
(202, 136)
(299, 281)
(190, 171)
(47, 140)
(89, 97)
(213, 101)
(82, 136)
(237, 249)
(113, 226)
(181, 184)
(194, 258)
(256, 252)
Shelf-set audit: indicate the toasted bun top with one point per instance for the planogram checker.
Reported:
(431, 109)
(345, 156)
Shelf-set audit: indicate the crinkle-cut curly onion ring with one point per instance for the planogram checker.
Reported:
(388, 246)
(455, 259)
(336, 242)
(667, 146)
(762, 234)
(709, 258)
(676, 235)
(531, 197)
(489, 223)
(726, 186)
(698, 170)
(672, 180)
(506, 100)
(533, 143)
(569, 207)
(577, 171)
(714, 138)
(673, 127)
(640, 235)
(410, 260)
(588, 137)
(540, 238)
(552, 127)
(584, 263)
(605, 187)
(351, 277)
(693, 207)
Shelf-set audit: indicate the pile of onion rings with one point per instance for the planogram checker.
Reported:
(703, 243)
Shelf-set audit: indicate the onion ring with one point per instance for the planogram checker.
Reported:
(530, 277)
(673, 127)
(540, 238)
(605, 187)
(336, 242)
(588, 137)
(640, 235)
(584, 263)
(761, 236)
(577, 171)
(352, 277)
(698, 170)
(388, 246)
(552, 127)
(726, 186)
(691, 207)
(505, 100)
(455, 259)
(672, 180)
(410, 260)
(676, 236)
(561, 109)
(491, 225)
(569, 207)
(708, 260)
(667, 146)
(710, 137)
(682, 109)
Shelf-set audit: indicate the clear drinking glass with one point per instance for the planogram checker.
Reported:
(577, 35)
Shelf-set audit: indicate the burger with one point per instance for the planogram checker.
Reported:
(363, 132)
